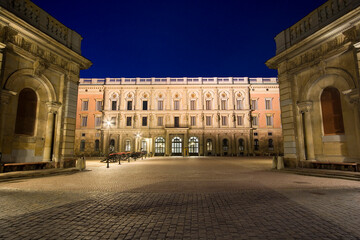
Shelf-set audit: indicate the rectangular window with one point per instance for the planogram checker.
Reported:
(145, 105)
(129, 105)
(254, 120)
(254, 104)
(239, 120)
(192, 105)
(85, 105)
(160, 105)
(193, 121)
(224, 120)
(97, 121)
(113, 121)
(176, 105)
(208, 120)
(128, 121)
(113, 105)
(144, 121)
(84, 121)
(269, 120)
(160, 121)
(268, 104)
(208, 104)
(239, 104)
(223, 104)
(98, 105)
(176, 122)
(127, 146)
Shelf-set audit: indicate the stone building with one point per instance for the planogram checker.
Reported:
(318, 65)
(39, 73)
(179, 116)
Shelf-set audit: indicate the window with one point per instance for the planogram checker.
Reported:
(269, 120)
(128, 121)
(129, 105)
(239, 104)
(143, 145)
(268, 104)
(254, 120)
(223, 104)
(239, 120)
(271, 145)
(145, 105)
(209, 145)
(193, 146)
(160, 121)
(331, 111)
(208, 120)
(160, 105)
(159, 146)
(84, 121)
(26, 112)
(224, 120)
(97, 145)
(269, 133)
(113, 105)
(97, 121)
(85, 105)
(208, 104)
(225, 146)
(241, 144)
(144, 121)
(254, 104)
(98, 105)
(176, 105)
(256, 144)
(176, 146)
(192, 105)
(82, 146)
(176, 122)
(193, 121)
(83, 134)
(127, 146)
(113, 121)
(255, 133)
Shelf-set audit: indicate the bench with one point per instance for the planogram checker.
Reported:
(355, 167)
(10, 167)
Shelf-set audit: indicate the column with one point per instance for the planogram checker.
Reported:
(50, 130)
(5, 97)
(305, 127)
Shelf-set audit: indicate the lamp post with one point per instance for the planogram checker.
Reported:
(108, 123)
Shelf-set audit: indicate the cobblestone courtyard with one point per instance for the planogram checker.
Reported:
(180, 198)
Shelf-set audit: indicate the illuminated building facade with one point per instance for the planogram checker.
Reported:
(318, 64)
(179, 116)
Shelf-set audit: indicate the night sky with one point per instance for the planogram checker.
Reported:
(184, 38)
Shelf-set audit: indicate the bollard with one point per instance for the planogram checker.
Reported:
(280, 163)
(83, 163)
(274, 162)
(107, 163)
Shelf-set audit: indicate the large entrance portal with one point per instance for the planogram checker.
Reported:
(176, 146)
(193, 146)
(159, 146)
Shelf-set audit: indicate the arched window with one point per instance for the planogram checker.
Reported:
(143, 145)
(225, 145)
(127, 146)
(176, 146)
(271, 144)
(159, 146)
(82, 146)
(97, 145)
(26, 112)
(256, 144)
(209, 145)
(241, 145)
(193, 146)
(112, 145)
(331, 111)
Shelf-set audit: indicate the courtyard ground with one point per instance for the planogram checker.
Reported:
(180, 198)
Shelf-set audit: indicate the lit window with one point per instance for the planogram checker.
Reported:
(113, 121)
(127, 146)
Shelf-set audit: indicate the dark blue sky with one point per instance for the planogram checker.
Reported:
(184, 38)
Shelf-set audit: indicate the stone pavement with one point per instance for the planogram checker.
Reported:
(180, 198)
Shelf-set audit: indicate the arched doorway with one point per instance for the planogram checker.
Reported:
(209, 146)
(332, 112)
(26, 112)
(176, 146)
(241, 147)
(97, 145)
(225, 146)
(159, 146)
(112, 145)
(193, 146)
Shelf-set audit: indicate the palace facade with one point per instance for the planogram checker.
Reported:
(318, 65)
(179, 116)
(40, 63)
